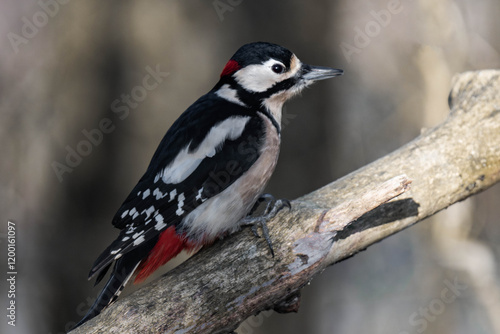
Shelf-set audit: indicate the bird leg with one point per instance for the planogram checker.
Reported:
(272, 208)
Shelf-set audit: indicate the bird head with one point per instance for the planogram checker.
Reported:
(266, 75)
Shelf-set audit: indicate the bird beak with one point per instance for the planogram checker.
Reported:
(315, 73)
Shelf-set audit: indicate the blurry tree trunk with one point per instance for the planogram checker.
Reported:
(224, 284)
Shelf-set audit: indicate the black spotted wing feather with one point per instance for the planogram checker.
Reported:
(153, 205)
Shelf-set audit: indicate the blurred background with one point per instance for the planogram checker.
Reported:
(68, 68)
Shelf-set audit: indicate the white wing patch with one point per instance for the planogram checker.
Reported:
(229, 94)
(149, 211)
(187, 161)
(114, 252)
(160, 225)
(199, 196)
(173, 193)
(180, 204)
(158, 194)
(133, 213)
(138, 234)
(139, 240)
(130, 229)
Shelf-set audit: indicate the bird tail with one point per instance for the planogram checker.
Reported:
(122, 272)
(142, 261)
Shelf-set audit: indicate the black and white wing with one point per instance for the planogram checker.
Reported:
(210, 146)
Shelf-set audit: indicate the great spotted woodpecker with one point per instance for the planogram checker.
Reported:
(209, 170)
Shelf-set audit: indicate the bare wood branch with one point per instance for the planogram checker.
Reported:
(236, 277)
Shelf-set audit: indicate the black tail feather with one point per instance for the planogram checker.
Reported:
(102, 273)
(123, 270)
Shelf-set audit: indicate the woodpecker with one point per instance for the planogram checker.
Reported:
(210, 169)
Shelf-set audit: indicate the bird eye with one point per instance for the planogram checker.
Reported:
(278, 68)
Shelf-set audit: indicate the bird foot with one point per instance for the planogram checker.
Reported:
(272, 208)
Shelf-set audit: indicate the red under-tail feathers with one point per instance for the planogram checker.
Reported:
(169, 245)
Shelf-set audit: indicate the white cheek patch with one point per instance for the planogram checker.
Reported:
(260, 77)
(274, 103)
(186, 162)
(257, 77)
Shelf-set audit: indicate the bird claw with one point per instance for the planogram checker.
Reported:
(272, 208)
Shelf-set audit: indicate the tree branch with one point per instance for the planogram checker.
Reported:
(225, 283)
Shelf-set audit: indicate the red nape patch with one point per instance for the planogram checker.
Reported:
(231, 67)
(169, 245)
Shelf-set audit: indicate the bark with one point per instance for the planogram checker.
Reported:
(222, 285)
